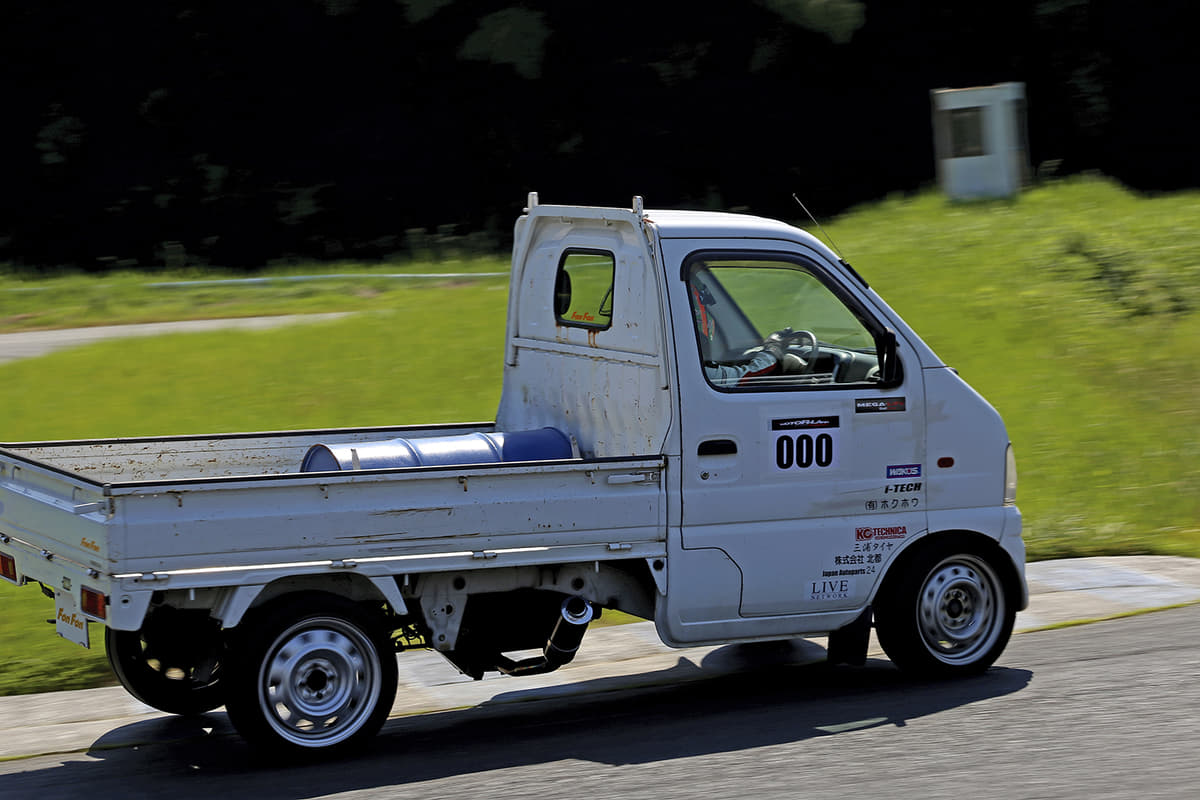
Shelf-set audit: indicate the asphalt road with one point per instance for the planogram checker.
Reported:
(1101, 710)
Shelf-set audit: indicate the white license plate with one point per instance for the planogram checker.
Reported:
(68, 622)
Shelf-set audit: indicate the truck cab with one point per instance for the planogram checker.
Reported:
(793, 487)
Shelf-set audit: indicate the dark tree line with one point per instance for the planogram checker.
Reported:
(172, 131)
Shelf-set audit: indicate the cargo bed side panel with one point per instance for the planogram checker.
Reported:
(388, 514)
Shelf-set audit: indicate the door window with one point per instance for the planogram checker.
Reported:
(763, 322)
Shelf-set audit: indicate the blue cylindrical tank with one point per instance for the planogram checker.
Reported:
(545, 444)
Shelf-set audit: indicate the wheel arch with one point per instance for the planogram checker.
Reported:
(1010, 575)
(236, 601)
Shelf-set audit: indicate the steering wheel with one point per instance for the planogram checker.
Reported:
(810, 359)
(792, 338)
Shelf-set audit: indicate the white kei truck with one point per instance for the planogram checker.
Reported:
(707, 419)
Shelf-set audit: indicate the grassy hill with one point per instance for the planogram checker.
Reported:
(1075, 310)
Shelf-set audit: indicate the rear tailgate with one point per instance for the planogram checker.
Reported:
(55, 528)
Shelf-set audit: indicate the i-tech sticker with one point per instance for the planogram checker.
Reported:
(805, 443)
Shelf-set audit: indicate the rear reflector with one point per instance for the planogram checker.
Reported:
(92, 603)
(8, 567)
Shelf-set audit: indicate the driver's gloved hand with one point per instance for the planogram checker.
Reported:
(776, 344)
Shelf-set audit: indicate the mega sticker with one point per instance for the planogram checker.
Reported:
(878, 404)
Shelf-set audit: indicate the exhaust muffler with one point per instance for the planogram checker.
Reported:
(573, 618)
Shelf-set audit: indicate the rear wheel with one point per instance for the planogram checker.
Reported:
(946, 613)
(313, 673)
(174, 663)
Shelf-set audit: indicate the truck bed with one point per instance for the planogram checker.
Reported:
(234, 509)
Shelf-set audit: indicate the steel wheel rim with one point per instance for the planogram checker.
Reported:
(960, 610)
(320, 682)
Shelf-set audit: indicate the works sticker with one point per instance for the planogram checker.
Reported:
(866, 405)
(878, 534)
(805, 443)
(904, 471)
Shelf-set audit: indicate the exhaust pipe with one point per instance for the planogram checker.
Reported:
(574, 616)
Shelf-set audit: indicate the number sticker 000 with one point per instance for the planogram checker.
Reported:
(805, 450)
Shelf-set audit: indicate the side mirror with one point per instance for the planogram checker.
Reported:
(890, 371)
(562, 293)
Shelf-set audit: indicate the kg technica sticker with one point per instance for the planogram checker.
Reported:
(877, 534)
(865, 405)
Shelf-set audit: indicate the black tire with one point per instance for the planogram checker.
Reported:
(174, 663)
(312, 673)
(945, 611)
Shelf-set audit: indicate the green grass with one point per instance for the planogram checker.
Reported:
(74, 300)
(1074, 309)
(434, 357)
(33, 659)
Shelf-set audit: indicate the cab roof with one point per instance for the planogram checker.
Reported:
(677, 224)
(674, 224)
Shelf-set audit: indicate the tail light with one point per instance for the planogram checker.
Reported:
(92, 602)
(8, 567)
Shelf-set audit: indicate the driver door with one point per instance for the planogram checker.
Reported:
(806, 477)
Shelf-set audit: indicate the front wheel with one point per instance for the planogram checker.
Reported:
(947, 613)
(312, 674)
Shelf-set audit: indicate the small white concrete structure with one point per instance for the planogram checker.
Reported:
(980, 140)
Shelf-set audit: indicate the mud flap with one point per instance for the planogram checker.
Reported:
(68, 622)
(848, 645)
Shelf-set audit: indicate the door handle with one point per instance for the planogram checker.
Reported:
(633, 477)
(717, 447)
